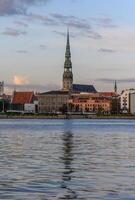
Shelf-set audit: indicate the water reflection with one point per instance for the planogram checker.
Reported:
(67, 160)
(72, 159)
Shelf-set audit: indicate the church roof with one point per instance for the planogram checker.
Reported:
(83, 88)
(55, 92)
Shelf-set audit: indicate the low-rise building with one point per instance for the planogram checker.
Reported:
(108, 94)
(1, 88)
(24, 101)
(52, 101)
(132, 103)
(89, 102)
(125, 100)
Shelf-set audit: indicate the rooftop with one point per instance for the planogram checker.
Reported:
(108, 94)
(22, 97)
(55, 92)
(83, 88)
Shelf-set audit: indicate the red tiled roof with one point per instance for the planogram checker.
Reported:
(107, 94)
(22, 97)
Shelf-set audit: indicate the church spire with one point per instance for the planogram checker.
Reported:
(68, 63)
(67, 75)
(115, 87)
(68, 54)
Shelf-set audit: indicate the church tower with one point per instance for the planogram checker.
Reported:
(67, 75)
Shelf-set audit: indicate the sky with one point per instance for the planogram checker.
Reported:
(33, 41)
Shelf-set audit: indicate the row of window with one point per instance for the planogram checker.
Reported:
(92, 105)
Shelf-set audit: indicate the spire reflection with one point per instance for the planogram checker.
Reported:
(68, 169)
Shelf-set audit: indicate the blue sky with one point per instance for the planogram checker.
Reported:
(33, 39)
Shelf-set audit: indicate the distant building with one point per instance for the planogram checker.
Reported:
(52, 101)
(108, 94)
(24, 101)
(132, 103)
(125, 100)
(87, 102)
(1, 88)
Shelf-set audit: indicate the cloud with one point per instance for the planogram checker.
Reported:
(32, 87)
(13, 32)
(14, 7)
(21, 24)
(104, 22)
(71, 21)
(82, 26)
(46, 20)
(22, 51)
(93, 35)
(108, 51)
(110, 80)
(73, 35)
(42, 47)
(20, 80)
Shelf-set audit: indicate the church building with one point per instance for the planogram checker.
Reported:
(53, 101)
(68, 84)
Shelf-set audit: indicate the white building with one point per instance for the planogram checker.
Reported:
(31, 107)
(125, 100)
(132, 103)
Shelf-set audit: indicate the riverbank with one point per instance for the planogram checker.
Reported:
(64, 116)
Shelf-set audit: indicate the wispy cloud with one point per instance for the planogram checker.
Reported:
(72, 21)
(61, 33)
(21, 24)
(14, 7)
(21, 82)
(103, 21)
(45, 20)
(81, 26)
(110, 80)
(32, 87)
(42, 47)
(106, 51)
(22, 51)
(13, 32)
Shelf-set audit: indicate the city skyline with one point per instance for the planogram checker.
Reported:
(34, 38)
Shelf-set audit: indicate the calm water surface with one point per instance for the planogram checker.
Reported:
(67, 159)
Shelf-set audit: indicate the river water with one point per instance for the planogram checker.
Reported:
(67, 159)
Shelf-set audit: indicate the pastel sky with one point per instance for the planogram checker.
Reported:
(33, 39)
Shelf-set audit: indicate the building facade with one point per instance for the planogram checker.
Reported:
(24, 102)
(1, 88)
(125, 100)
(53, 101)
(89, 102)
(132, 103)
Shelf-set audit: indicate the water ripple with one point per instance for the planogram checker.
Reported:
(67, 159)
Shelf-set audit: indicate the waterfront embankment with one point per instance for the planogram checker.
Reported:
(65, 116)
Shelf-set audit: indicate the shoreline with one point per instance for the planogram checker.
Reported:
(67, 117)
